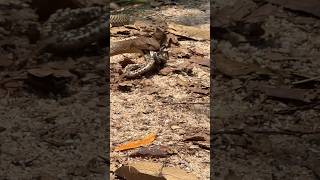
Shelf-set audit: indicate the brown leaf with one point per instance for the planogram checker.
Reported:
(308, 6)
(166, 70)
(189, 31)
(46, 80)
(203, 145)
(261, 13)
(134, 45)
(229, 15)
(140, 170)
(186, 67)
(201, 61)
(145, 43)
(200, 139)
(234, 68)
(199, 90)
(45, 71)
(304, 95)
(195, 138)
(13, 84)
(288, 93)
(144, 170)
(180, 52)
(125, 86)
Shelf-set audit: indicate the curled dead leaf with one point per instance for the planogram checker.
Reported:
(134, 144)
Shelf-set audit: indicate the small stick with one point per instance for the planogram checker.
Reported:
(307, 80)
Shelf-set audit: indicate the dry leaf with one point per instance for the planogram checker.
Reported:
(166, 70)
(201, 61)
(134, 144)
(304, 95)
(141, 171)
(199, 90)
(152, 171)
(288, 93)
(189, 31)
(46, 71)
(261, 13)
(230, 14)
(308, 6)
(234, 68)
(155, 151)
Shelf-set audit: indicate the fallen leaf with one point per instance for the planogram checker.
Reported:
(45, 71)
(261, 13)
(125, 86)
(202, 140)
(304, 95)
(13, 84)
(195, 138)
(289, 93)
(203, 145)
(144, 170)
(233, 68)
(155, 151)
(199, 90)
(201, 61)
(189, 31)
(46, 80)
(134, 144)
(229, 15)
(307, 6)
(174, 127)
(166, 70)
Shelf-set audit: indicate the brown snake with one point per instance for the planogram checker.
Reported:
(73, 29)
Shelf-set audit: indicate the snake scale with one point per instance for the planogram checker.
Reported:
(73, 29)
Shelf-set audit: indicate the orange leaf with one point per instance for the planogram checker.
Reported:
(134, 144)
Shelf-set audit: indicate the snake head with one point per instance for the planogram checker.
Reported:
(161, 56)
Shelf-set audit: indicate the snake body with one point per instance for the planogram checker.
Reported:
(73, 29)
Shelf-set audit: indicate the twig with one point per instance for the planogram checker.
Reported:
(307, 80)
(174, 103)
(271, 132)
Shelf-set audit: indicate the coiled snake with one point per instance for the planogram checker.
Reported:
(74, 29)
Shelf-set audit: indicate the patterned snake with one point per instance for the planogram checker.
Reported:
(73, 29)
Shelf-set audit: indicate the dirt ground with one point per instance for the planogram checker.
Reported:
(264, 125)
(167, 104)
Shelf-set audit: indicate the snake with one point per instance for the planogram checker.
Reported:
(73, 29)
